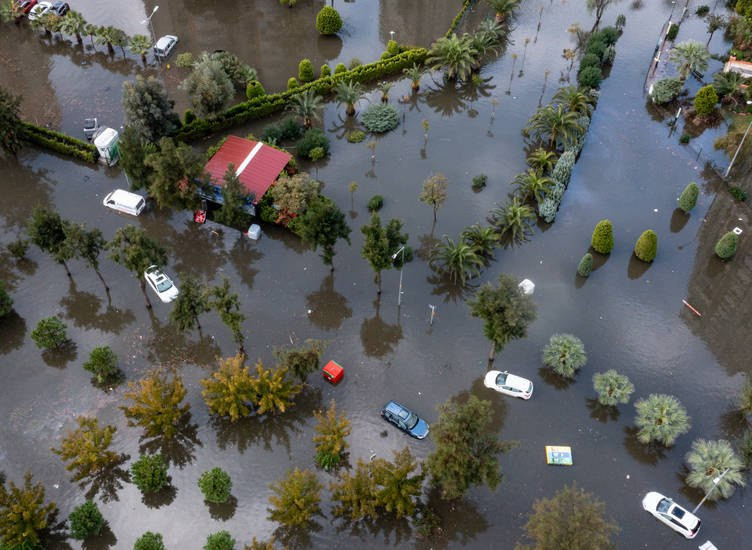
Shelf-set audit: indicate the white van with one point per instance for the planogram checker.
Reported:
(125, 201)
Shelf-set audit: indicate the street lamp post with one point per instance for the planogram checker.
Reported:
(402, 265)
(716, 481)
(147, 21)
(740, 146)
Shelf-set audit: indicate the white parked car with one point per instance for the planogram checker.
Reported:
(161, 284)
(667, 511)
(164, 45)
(39, 10)
(509, 384)
(125, 201)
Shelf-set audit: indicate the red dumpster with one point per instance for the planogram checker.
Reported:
(333, 372)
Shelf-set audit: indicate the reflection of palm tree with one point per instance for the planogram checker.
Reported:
(477, 88)
(445, 100)
(328, 308)
(451, 290)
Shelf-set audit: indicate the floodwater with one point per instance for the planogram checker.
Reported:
(629, 315)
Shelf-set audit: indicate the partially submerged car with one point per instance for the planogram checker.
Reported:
(508, 384)
(405, 419)
(161, 284)
(164, 45)
(667, 511)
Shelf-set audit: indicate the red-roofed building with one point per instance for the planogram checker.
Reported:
(256, 164)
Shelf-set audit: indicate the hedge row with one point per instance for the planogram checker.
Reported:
(457, 18)
(267, 104)
(59, 142)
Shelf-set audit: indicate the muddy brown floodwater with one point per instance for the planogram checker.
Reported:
(629, 315)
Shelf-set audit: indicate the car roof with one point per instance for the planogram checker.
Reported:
(517, 382)
(126, 198)
(394, 407)
(165, 40)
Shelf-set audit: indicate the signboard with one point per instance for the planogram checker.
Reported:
(559, 455)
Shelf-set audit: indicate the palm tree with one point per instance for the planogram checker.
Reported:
(414, 73)
(708, 460)
(613, 388)
(564, 354)
(513, 218)
(120, 39)
(460, 261)
(456, 56)
(575, 100)
(558, 124)
(91, 30)
(533, 185)
(140, 45)
(484, 43)
(384, 88)
(542, 161)
(483, 239)
(728, 84)
(50, 22)
(504, 9)
(349, 93)
(105, 36)
(73, 23)
(690, 56)
(306, 105)
(715, 22)
(490, 28)
(661, 418)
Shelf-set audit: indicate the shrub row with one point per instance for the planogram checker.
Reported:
(267, 104)
(457, 18)
(59, 142)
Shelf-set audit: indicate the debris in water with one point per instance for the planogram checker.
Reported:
(692, 309)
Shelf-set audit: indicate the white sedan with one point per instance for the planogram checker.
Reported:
(39, 10)
(161, 284)
(667, 511)
(508, 384)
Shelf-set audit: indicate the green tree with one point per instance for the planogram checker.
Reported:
(87, 245)
(661, 418)
(227, 305)
(149, 473)
(230, 390)
(106, 36)
(504, 9)
(208, 86)
(726, 246)
(466, 453)
(506, 312)
(561, 126)
(513, 218)
(602, 240)
(705, 101)
(349, 93)
(274, 392)
(542, 161)
(305, 70)
(221, 540)
(6, 302)
(564, 354)
(646, 247)
(24, 515)
(120, 39)
(149, 541)
(254, 89)
(85, 521)
(238, 72)
(10, 11)
(47, 230)
(586, 265)
(482, 239)
(73, 23)
(574, 99)
(688, 197)
(689, 56)
(322, 225)
(10, 123)
(598, 7)
(399, 487)
(590, 77)
(666, 90)
(355, 493)
(86, 449)
(49, 21)
(302, 361)
(708, 460)
(331, 431)
(175, 171)
(102, 364)
(328, 21)
(155, 404)
(134, 150)
(434, 192)
(293, 194)
(532, 185)
(455, 56)
(612, 388)
(215, 485)
(234, 197)
(50, 333)
(192, 301)
(140, 44)
(296, 498)
(306, 105)
(148, 110)
(135, 251)
(460, 261)
(729, 85)
(380, 244)
(572, 518)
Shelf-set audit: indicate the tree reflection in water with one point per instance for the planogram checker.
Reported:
(177, 451)
(452, 291)
(328, 308)
(379, 338)
(107, 482)
(647, 454)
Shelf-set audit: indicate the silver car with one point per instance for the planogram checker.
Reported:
(161, 284)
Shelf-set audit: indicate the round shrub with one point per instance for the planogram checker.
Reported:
(603, 237)
(149, 541)
(184, 60)
(590, 60)
(188, 116)
(317, 153)
(392, 48)
(354, 63)
(254, 89)
(725, 248)
(305, 70)
(216, 485)
(738, 193)
(666, 90)
(222, 540)
(85, 521)
(292, 83)
(608, 35)
(313, 138)
(646, 247)
(355, 136)
(50, 333)
(596, 46)
(380, 118)
(564, 354)
(375, 203)
(586, 265)
(340, 68)
(102, 364)
(479, 182)
(149, 473)
(590, 77)
(328, 21)
(672, 31)
(325, 71)
(688, 198)
(705, 101)
(702, 11)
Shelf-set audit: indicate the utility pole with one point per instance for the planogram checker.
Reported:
(402, 266)
(716, 481)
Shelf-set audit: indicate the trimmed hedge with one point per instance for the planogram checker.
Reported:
(726, 246)
(458, 18)
(602, 240)
(59, 142)
(646, 247)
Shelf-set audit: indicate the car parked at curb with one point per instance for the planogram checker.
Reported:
(60, 8)
(667, 511)
(405, 419)
(25, 6)
(161, 284)
(508, 384)
(39, 10)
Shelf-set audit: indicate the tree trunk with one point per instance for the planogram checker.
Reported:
(66, 269)
(79, 39)
(416, 85)
(434, 214)
(143, 289)
(143, 59)
(378, 283)
(492, 353)
(709, 39)
(110, 49)
(350, 111)
(106, 288)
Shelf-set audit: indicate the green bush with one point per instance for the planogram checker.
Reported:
(562, 171)
(737, 192)
(184, 60)
(672, 32)
(216, 485)
(254, 89)
(380, 118)
(354, 63)
(102, 364)
(289, 128)
(149, 473)
(666, 90)
(595, 46)
(328, 21)
(590, 77)
(355, 136)
(725, 248)
(305, 70)
(392, 48)
(149, 541)
(705, 101)
(292, 83)
(325, 71)
(590, 60)
(548, 208)
(375, 203)
(586, 265)
(188, 116)
(85, 521)
(702, 11)
(50, 333)
(603, 237)
(18, 248)
(685, 138)
(479, 182)
(646, 247)
(340, 68)
(313, 138)
(688, 197)
(222, 540)
(59, 142)
(608, 35)
(6, 302)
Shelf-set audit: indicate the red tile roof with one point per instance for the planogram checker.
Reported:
(259, 173)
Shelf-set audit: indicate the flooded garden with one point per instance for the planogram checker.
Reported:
(629, 314)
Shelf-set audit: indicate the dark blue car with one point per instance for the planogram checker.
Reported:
(405, 419)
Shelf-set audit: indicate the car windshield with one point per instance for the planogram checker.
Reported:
(664, 505)
(501, 379)
(163, 283)
(412, 421)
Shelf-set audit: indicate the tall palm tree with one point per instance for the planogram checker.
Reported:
(414, 73)
(106, 36)
(50, 22)
(715, 22)
(709, 460)
(574, 99)
(456, 56)
(140, 45)
(459, 261)
(728, 84)
(504, 9)
(349, 93)
(483, 239)
(689, 56)
(560, 126)
(514, 219)
(542, 161)
(73, 23)
(384, 88)
(306, 105)
(532, 185)
(91, 30)
(120, 39)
